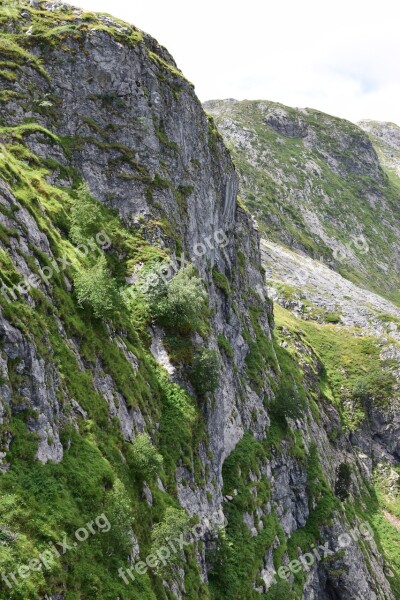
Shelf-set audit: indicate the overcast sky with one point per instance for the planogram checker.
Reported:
(340, 57)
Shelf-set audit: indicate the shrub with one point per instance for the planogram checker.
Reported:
(145, 458)
(180, 425)
(175, 523)
(376, 387)
(97, 290)
(242, 262)
(118, 510)
(180, 302)
(332, 318)
(288, 401)
(85, 216)
(205, 370)
(153, 283)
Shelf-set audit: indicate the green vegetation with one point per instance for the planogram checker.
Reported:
(261, 356)
(225, 346)
(221, 281)
(289, 401)
(85, 216)
(96, 290)
(146, 461)
(376, 388)
(180, 303)
(181, 431)
(205, 371)
(343, 481)
(332, 318)
(322, 504)
(352, 373)
(99, 472)
(119, 511)
(174, 524)
(381, 509)
(239, 555)
(56, 501)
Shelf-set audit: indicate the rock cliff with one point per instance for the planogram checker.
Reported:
(144, 388)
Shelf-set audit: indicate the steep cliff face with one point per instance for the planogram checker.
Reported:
(97, 348)
(85, 98)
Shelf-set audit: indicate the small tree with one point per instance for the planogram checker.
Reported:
(119, 512)
(205, 371)
(96, 289)
(153, 283)
(85, 216)
(180, 302)
(288, 401)
(175, 523)
(145, 458)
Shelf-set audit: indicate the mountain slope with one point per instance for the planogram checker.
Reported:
(318, 304)
(315, 183)
(159, 439)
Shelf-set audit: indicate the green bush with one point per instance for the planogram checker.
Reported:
(241, 261)
(97, 290)
(288, 401)
(144, 457)
(205, 371)
(175, 523)
(178, 304)
(332, 318)
(119, 512)
(153, 284)
(85, 216)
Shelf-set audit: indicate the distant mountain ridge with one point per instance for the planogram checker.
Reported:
(321, 185)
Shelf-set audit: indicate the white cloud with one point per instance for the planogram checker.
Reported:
(340, 57)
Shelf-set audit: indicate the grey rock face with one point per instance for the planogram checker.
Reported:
(155, 125)
(315, 284)
(36, 386)
(287, 125)
(343, 573)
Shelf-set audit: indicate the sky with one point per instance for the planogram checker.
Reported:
(339, 57)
